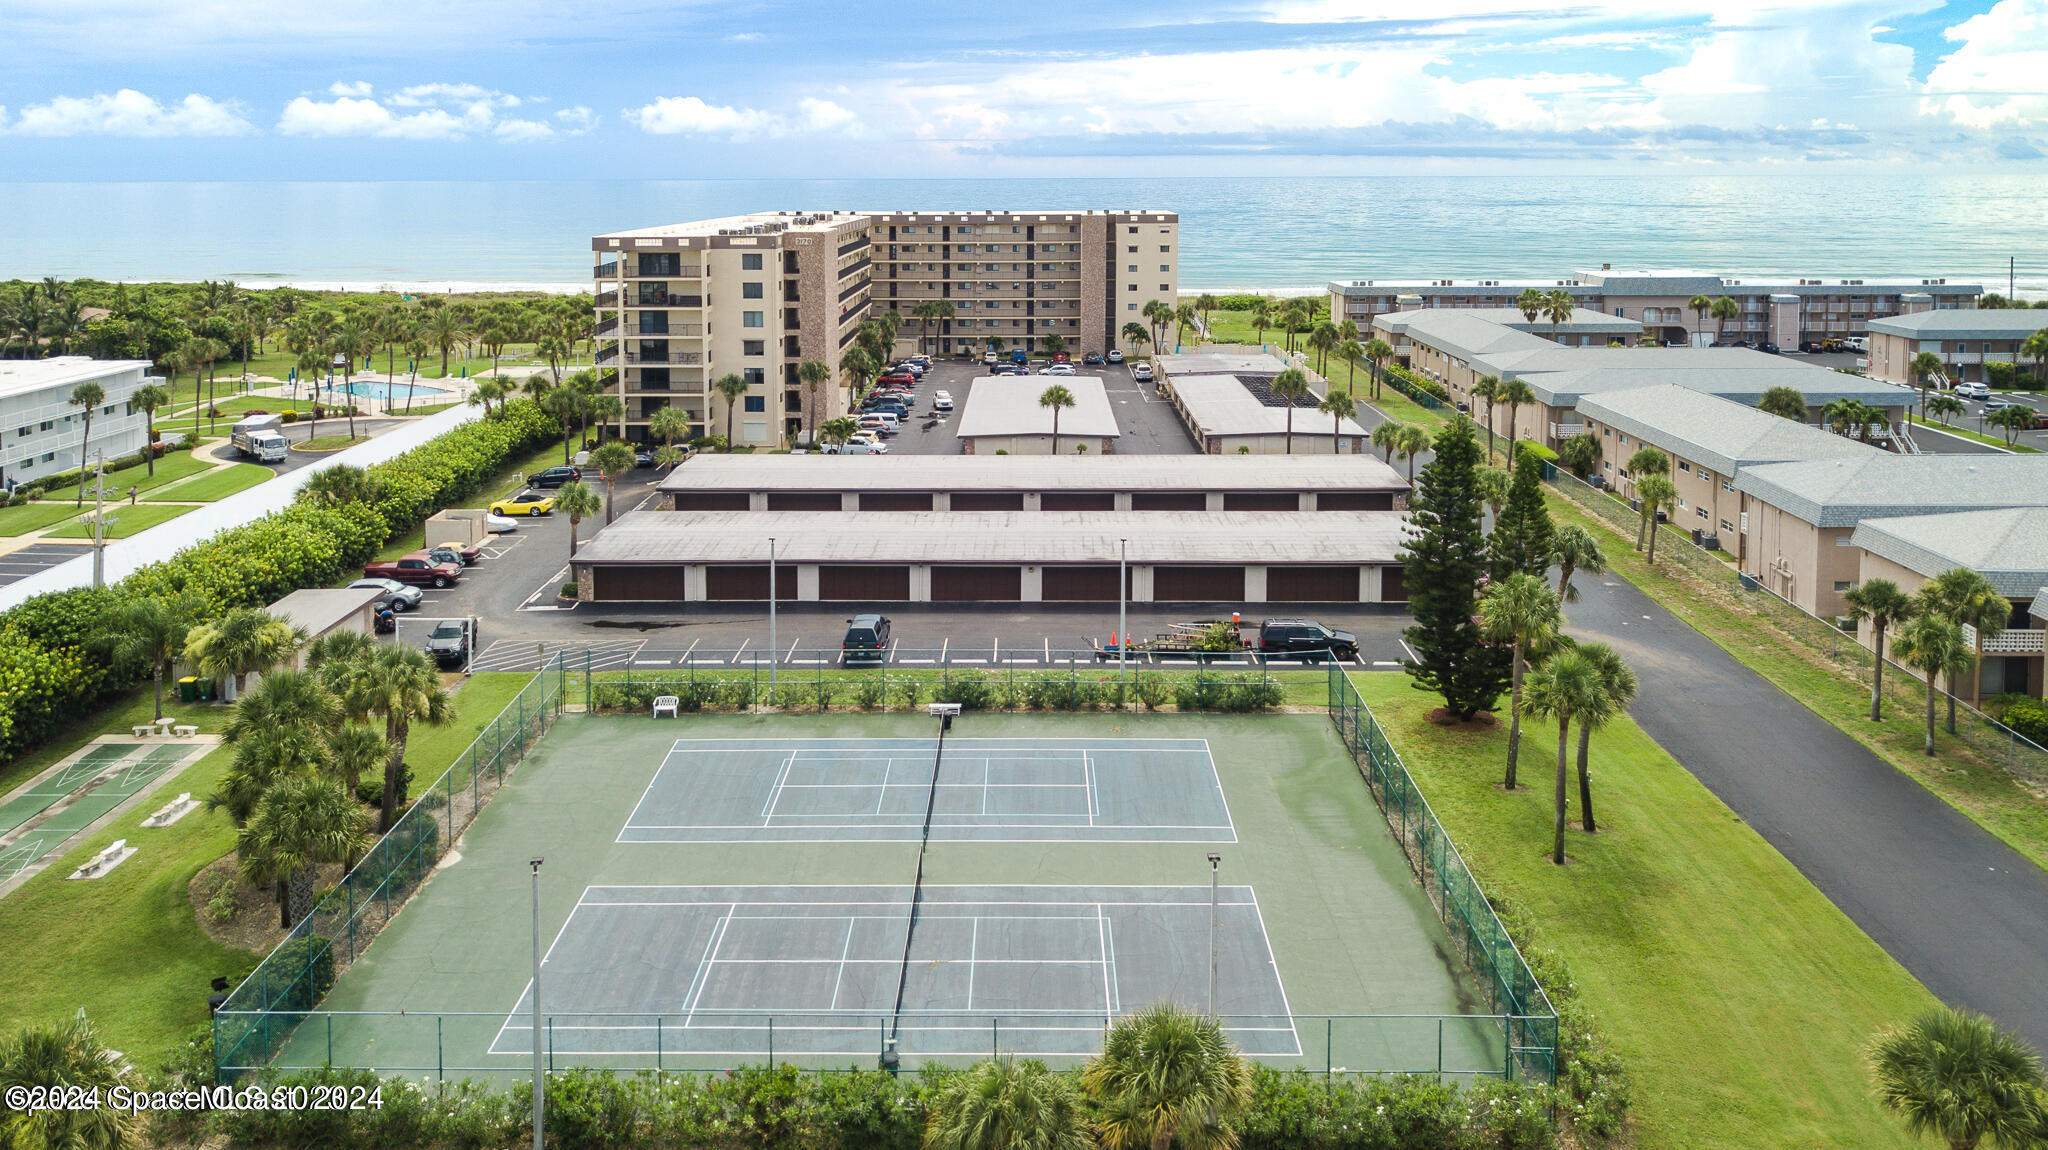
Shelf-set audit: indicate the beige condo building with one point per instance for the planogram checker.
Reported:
(682, 305)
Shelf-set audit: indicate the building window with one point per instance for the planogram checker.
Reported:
(1606, 466)
(1127, 307)
(1700, 511)
(49, 456)
(751, 262)
(751, 319)
(1166, 267)
(1727, 526)
(750, 291)
(1134, 267)
(1165, 287)
(1684, 466)
(1727, 486)
(1131, 287)
(757, 403)
(1843, 585)
(1134, 231)
(754, 347)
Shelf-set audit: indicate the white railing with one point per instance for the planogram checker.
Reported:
(2019, 641)
(1566, 430)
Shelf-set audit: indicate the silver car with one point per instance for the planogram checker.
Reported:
(400, 597)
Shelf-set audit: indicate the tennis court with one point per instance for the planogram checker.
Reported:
(988, 790)
(129, 778)
(705, 971)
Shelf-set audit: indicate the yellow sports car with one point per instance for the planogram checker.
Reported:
(524, 503)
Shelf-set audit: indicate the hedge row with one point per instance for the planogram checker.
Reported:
(973, 692)
(49, 676)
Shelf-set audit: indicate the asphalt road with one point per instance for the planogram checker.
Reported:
(1966, 914)
(300, 433)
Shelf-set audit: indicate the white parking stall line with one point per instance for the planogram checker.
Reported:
(944, 645)
(968, 662)
(1385, 663)
(792, 649)
(1048, 649)
(743, 648)
(650, 662)
(687, 651)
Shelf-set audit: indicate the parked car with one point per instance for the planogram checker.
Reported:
(942, 401)
(880, 425)
(900, 376)
(1768, 348)
(1305, 637)
(1092, 359)
(450, 553)
(1057, 369)
(855, 446)
(418, 568)
(555, 477)
(990, 358)
(448, 643)
(498, 524)
(1116, 355)
(2000, 405)
(1973, 390)
(397, 596)
(1061, 357)
(524, 503)
(643, 457)
(1142, 372)
(866, 641)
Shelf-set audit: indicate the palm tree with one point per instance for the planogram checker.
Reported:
(399, 685)
(1004, 1104)
(1058, 398)
(838, 429)
(1700, 306)
(2011, 421)
(337, 486)
(66, 1056)
(1410, 441)
(612, 459)
(1880, 603)
(1566, 687)
(311, 363)
(352, 749)
(1136, 335)
(2036, 348)
(1658, 493)
(578, 501)
(1557, 308)
(1339, 406)
(565, 405)
(1942, 407)
(1925, 369)
(1349, 352)
(1487, 387)
(1935, 647)
(815, 373)
(1321, 339)
(151, 631)
(1385, 435)
(1514, 393)
(246, 641)
(860, 368)
(1617, 691)
(1785, 403)
(1290, 385)
(1492, 484)
(1574, 549)
(730, 387)
(1520, 610)
(1961, 1077)
(1723, 310)
(1380, 352)
(147, 399)
(1530, 304)
(88, 396)
(1967, 599)
(1157, 315)
(300, 823)
(1262, 318)
(445, 328)
(1167, 1077)
(1204, 304)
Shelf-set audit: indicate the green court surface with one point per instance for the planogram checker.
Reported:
(38, 797)
(694, 921)
(133, 776)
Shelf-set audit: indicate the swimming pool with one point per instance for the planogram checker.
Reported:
(398, 391)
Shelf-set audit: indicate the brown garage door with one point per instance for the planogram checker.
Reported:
(1192, 584)
(803, 501)
(1169, 501)
(1355, 501)
(1079, 585)
(1261, 501)
(641, 583)
(864, 583)
(711, 501)
(988, 501)
(1393, 584)
(1312, 584)
(1077, 501)
(748, 581)
(979, 584)
(896, 501)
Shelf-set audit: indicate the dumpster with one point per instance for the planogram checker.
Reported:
(206, 687)
(188, 689)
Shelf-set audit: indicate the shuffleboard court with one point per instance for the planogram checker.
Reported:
(989, 790)
(126, 780)
(1039, 970)
(42, 794)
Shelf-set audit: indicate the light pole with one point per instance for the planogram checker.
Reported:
(1123, 637)
(772, 648)
(539, 1079)
(1215, 861)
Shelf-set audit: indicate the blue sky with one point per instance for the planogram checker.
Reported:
(509, 89)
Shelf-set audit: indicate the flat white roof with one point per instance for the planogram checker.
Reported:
(23, 376)
(1221, 405)
(1216, 363)
(1034, 537)
(709, 472)
(1008, 405)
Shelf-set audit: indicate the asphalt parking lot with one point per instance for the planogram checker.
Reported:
(17, 565)
(1149, 425)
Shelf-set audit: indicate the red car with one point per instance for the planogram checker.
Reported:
(898, 377)
(418, 569)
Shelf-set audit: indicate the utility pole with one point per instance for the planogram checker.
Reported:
(539, 1077)
(1215, 861)
(1123, 633)
(772, 648)
(99, 520)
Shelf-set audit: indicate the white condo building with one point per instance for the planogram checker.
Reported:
(40, 428)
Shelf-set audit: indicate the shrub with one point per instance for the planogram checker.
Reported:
(222, 905)
(2029, 720)
(1047, 692)
(967, 688)
(910, 692)
(289, 417)
(1233, 698)
(798, 696)
(734, 694)
(870, 692)
(301, 972)
(1152, 690)
(569, 590)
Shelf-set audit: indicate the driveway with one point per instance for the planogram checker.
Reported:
(1966, 914)
(300, 433)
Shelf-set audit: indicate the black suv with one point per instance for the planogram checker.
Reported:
(1305, 637)
(867, 640)
(555, 477)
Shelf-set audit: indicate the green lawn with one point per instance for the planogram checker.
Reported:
(1980, 437)
(1740, 997)
(177, 423)
(127, 520)
(171, 468)
(35, 516)
(218, 484)
(126, 947)
(330, 443)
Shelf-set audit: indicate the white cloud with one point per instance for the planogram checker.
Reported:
(1998, 75)
(357, 88)
(823, 115)
(418, 112)
(578, 120)
(523, 131)
(130, 113)
(677, 115)
(746, 38)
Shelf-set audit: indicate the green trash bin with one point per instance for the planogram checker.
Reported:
(188, 689)
(206, 690)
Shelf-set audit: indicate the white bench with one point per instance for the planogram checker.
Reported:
(668, 703)
(185, 730)
(144, 730)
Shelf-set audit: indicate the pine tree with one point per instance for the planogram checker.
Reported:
(1523, 536)
(1445, 560)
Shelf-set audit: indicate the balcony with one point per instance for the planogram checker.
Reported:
(606, 325)
(608, 353)
(855, 267)
(2020, 641)
(674, 357)
(605, 271)
(666, 299)
(853, 245)
(607, 299)
(1563, 431)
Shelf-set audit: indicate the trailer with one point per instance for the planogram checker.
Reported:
(1196, 639)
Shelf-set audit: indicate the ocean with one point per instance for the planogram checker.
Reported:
(1272, 234)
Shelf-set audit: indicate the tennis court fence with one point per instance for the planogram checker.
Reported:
(260, 1016)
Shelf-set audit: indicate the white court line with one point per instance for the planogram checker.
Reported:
(1102, 948)
(973, 952)
(844, 951)
(704, 965)
(982, 785)
(1286, 1009)
(775, 794)
(1109, 959)
(1217, 777)
(1088, 780)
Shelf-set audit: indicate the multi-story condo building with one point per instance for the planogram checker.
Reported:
(1787, 313)
(41, 429)
(1963, 341)
(680, 306)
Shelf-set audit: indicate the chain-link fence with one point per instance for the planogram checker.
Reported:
(1476, 934)
(259, 1017)
(1837, 648)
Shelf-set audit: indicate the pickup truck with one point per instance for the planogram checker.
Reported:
(418, 569)
(449, 643)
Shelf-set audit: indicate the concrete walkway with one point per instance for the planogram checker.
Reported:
(1966, 914)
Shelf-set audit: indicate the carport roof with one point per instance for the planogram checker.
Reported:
(707, 472)
(1007, 405)
(1725, 435)
(1220, 405)
(1021, 537)
(318, 609)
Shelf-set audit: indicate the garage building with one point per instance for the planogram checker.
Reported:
(1003, 414)
(1023, 557)
(1227, 403)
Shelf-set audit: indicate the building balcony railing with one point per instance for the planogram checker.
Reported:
(605, 271)
(679, 357)
(855, 267)
(608, 353)
(1566, 430)
(607, 299)
(607, 324)
(666, 299)
(854, 245)
(2019, 641)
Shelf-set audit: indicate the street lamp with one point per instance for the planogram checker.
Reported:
(1123, 635)
(539, 1079)
(772, 648)
(1215, 862)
